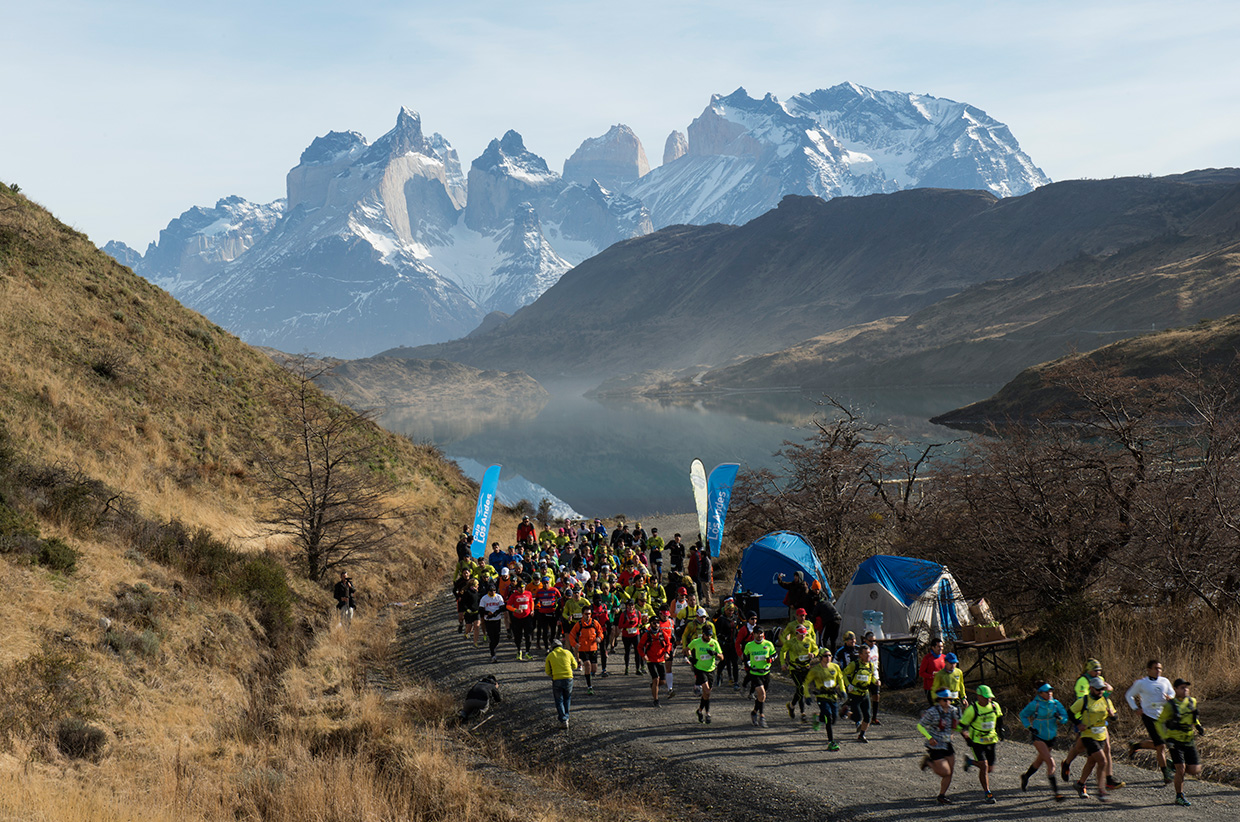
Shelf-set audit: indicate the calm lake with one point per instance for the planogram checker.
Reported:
(632, 457)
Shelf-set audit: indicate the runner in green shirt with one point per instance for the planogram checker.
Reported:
(981, 724)
(1177, 723)
(757, 656)
(704, 654)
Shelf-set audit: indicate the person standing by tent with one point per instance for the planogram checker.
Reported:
(704, 654)
(981, 724)
(798, 592)
(1177, 723)
(860, 675)
(727, 621)
(705, 576)
(931, 664)
(1147, 697)
(560, 665)
(938, 725)
(1043, 716)
(826, 619)
(825, 683)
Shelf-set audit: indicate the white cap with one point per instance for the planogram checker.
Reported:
(701, 612)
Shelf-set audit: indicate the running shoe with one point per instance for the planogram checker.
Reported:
(1024, 782)
(656, 704)
(833, 746)
(1113, 783)
(1066, 772)
(753, 718)
(990, 798)
(968, 763)
(701, 719)
(590, 691)
(1180, 800)
(1104, 797)
(460, 629)
(803, 719)
(708, 717)
(1082, 791)
(861, 738)
(792, 712)
(671, 692)
(817, 723)
(943, 800)
(875, 721)
(1133, 747)
(736, 686)
(1168, 774)
(604, 673)
(762, 720)
(494, 659)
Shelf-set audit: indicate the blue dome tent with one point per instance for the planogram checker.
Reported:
(915, 596)
(781, 552)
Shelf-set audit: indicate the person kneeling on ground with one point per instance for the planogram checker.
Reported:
(479, 698)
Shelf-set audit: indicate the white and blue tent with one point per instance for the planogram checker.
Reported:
(781, 552)
(915, 596)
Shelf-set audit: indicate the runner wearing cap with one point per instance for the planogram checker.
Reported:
(981, 725)
(800, 619)
(690, 631)
(1177, 723)
(952, 679)
(704, 653)
(1093, 669)
(667, 625)
(520, 606)
(559, 665)
(757, 656)
(860, 675)
(1043, 716)
(796, 655)
(1092, 712)
(938, 724)
(546, 605)
(825, 683)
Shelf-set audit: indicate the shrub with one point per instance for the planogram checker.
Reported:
(58, 555)
(41, 690)
(77, 739)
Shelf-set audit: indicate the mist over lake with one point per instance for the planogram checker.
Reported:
(632, 457)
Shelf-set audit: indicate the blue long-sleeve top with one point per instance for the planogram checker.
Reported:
(1044, 716)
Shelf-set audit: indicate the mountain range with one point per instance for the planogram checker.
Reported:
(392, 243)
(929, 269)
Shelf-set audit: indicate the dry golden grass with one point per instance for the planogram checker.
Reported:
(109, 378)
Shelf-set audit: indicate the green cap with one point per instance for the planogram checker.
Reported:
(985, 692)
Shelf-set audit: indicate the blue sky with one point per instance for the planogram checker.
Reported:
(119, 115)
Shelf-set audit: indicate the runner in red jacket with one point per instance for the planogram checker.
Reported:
(655, 646)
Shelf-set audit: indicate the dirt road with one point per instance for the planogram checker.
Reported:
(730, 770)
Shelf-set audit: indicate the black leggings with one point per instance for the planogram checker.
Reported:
(860, 707)
(522, 631)
(798, 685)
(731, 663)
(492, 627)
(630, 645)
(826, 714)
(546, 629)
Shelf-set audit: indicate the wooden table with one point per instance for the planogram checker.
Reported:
(989, 653)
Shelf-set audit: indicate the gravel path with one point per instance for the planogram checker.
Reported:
(730, 770)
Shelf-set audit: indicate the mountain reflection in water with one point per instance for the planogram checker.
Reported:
(632, 456)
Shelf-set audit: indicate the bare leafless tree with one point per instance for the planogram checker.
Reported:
(327, 487)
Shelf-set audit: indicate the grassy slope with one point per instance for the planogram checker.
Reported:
(206, 716)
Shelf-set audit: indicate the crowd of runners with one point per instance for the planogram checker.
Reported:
(584, 598)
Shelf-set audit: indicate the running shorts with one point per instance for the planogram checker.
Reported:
(701, 677)
(983, 752)
(1151, 728)
(1182, 753)
(1093, 746)
(589, 656)
(658, 671)
(942, 753)
(759, 680)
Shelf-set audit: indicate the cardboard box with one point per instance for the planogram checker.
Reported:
(968, 633)
(988, 633)
(981, 613)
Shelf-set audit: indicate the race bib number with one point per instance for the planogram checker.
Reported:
(863, 678)
(988, 725)
(1098, 729)
(759, 659)
(803, 658)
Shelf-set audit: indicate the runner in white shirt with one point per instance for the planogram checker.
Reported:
(493, 610)
(1148, 695)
